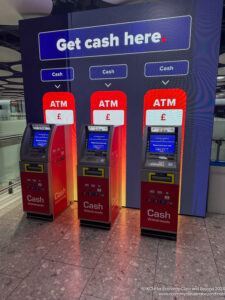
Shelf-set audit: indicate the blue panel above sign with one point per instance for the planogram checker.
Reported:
(125, 38)
(167, 68)
(60, 74)
(108, 72)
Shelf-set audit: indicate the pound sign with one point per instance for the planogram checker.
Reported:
(163, 117)
(59, 116)
(108, 117)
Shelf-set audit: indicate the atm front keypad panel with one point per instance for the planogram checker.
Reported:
(35, 184)
(58, 155)
(93, 190)
(159, 197)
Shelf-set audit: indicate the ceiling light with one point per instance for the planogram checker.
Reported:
(18, 79)
(116, 1)
(4, 73)
(220, 78)
(220, 95)
(221, 71)
(222, 58)
(220, 101)
(17, 67)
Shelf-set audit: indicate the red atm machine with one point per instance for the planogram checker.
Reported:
(43, 170)
(160, 178)
(99, 175)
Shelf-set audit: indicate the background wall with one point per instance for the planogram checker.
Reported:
(199, 85)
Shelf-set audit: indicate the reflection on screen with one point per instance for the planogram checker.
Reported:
(40, 138)
(162, 143)
(98, 141)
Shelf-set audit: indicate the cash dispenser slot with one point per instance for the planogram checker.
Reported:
(93, 172)
(34, 168)
(161, 177)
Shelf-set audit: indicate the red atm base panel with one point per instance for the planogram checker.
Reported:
(93, 204)
(159, 209)
(35, 193)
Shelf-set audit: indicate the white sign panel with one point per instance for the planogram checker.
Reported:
(165, 117)
(108, 117)
(63, 117)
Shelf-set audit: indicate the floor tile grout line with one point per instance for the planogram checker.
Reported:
(156, 263)
(4, 274)
(28, 274)
(23, 279)
(61, 262)
(213, 255)
(94, 269)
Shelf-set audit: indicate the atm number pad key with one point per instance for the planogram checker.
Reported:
(35, 185)
(159, 197)
(93, 190)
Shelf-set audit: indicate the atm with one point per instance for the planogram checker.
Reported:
(160, 181)
(99, 175)
(43, 171)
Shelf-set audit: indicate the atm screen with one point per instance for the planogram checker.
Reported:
(40, 138)
(162, 143)
(98, 141)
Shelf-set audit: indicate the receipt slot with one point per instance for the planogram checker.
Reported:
(160, 178)
(43, 170)
(99, 175)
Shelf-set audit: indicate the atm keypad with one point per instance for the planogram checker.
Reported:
(58, 155)
(158, 197)
(93, 190)
(33, 184)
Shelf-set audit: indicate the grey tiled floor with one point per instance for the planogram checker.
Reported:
(61, 260)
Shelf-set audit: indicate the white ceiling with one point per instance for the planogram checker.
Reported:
(17, 79)
(11, 11)
(9, 55)
(14, 86)
(4, 73)
(14, 10)
(2, 82)
(17, 67)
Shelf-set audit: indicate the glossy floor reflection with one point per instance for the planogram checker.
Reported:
(61, 260)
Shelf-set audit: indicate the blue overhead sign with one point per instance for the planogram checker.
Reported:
(126, 38)
(167, 68)
(59, 74)
(108, 72)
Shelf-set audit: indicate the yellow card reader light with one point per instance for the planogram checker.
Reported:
(34, 168)
(93, 172)
(161, 177)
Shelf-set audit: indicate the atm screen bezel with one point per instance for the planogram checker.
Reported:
(162, 133)
(39, 130)
(95, 150)
(97, 132)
